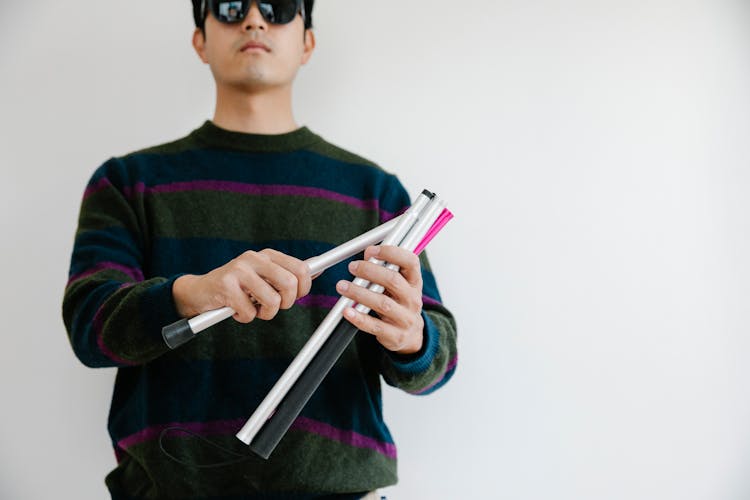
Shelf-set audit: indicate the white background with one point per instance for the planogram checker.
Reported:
(596, 156)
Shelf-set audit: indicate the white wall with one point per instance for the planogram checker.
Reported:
(595, 154)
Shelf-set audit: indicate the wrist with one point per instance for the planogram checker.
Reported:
(417, 342)
(183, 289)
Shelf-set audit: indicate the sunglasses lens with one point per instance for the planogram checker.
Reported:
(279, 11)
(273, 11)
(231, 11)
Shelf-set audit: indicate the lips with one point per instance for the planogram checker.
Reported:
(255, 45)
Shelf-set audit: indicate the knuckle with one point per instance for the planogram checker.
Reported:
(270, 309)
(288, 301)
(242, 264)
(352, 290)
(400, 339)
(275, 301)
(300, 268)
(227, 281)
(411, 323)
(245, 314)
(242, 267)
(415, 303)
(251, 313)
(289, 281)
(393, 280)
(385, 304)
(268, 254)
(264, 314)
(393, 345)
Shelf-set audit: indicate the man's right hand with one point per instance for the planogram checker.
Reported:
(255, 284)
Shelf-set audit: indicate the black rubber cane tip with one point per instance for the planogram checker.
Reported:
(291, 406)
(177, 333)
(263, 448)
(429, 194)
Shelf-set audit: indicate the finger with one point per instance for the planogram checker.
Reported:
(389, 336)
(394, 282)
(267, 296)
(244, 309)
(284, 282)
(389, 310)
(408, 263)
(295, 266)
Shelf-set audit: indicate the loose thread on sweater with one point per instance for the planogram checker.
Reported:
(242, 457)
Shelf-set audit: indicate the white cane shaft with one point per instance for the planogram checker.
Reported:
(321, 334)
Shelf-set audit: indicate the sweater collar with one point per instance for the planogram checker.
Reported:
(212, 135)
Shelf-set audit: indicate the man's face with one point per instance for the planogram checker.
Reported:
(254, 54)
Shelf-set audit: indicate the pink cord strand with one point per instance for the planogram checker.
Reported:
(441, 221)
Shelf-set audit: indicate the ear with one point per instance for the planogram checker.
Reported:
(309, 45)
(199, 44)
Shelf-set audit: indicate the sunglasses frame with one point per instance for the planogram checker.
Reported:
(208, 5)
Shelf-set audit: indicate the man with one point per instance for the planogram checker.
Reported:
(225, 217)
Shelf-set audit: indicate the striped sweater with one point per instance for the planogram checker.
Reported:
(190, 206)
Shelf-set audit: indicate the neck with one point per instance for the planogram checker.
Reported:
(266, 112)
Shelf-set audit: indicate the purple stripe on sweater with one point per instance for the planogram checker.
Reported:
(132, 272)
(219, 427)
(119, 454)
(269, 190)
(448, 369)
(344, 436)
(138, 188)
(224, 427)
(263, 189)
(430, 301)
(253, 189)
(97, 186)
(97, 324)
(324, 301)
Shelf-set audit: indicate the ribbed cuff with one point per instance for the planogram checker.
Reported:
(158, 307)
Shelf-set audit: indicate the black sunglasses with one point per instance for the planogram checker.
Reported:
(234, 11)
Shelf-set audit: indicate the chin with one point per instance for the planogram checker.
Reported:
(252, 77)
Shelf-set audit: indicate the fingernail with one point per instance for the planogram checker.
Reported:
(349, 313)
(343, 286)
(375, 250)
(353, 266)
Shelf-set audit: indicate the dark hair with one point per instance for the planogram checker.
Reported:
(201, 20)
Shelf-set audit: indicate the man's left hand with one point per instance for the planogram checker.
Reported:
(399, 325)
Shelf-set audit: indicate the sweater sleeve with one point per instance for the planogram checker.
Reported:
(427, 370)
(112, 313)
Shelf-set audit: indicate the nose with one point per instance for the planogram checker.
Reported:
(254, 20)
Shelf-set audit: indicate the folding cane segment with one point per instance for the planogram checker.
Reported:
(432, 219)
(321, 334)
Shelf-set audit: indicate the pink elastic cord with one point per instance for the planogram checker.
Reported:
(441, 221)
